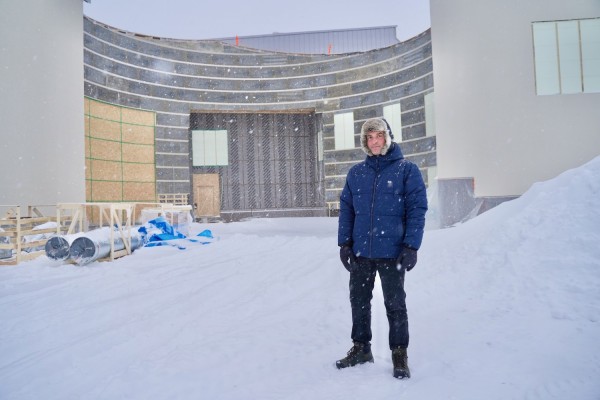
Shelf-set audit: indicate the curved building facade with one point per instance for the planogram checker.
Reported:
(243, 132)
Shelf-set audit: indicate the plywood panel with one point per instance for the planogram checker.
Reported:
(107, 170)
(88, 190)
(207, 195)
(104, 129)
(119, 150)
(105, 111)
(132, 116)
(139, 191)
(88, 169)
(86, 125)
(138, 153)
(107, 191)
(138, 172)
(138, 134)
(87, 147)
(105, 150)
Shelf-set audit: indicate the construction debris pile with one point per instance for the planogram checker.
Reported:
(86, 247)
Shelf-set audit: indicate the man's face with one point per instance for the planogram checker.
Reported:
(376, 141)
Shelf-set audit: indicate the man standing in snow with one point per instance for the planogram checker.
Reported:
(381, 223)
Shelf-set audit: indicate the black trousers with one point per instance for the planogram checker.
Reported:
(362, 281)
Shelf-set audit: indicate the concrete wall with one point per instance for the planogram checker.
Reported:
(490, 124)
(41, 104)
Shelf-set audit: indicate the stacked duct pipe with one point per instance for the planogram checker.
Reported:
(96, 244)
(58, 247)
(90, 246)
(5, 253)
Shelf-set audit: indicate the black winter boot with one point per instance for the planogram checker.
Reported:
(400, 360)
(360, 353)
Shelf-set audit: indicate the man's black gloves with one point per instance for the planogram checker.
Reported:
(347, 256)
(407, 258)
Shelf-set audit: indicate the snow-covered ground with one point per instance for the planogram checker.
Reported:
(505, 306)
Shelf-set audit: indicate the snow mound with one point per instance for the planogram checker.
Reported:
(505, 306)
(515, 291)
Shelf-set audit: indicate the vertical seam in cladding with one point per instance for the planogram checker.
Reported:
(90, 151)
(154, 157)
(121, 145)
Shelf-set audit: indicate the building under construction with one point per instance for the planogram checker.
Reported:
(240, 129)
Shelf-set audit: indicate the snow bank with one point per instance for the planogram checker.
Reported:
(505, 306)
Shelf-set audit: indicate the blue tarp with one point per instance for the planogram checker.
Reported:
(158, 232)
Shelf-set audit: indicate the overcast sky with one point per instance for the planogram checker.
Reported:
(198, 19)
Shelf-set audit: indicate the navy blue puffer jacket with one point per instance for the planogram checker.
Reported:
(382, 206)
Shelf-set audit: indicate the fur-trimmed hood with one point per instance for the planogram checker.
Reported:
(377, 125)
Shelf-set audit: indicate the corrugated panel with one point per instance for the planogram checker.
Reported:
(272, 162)
(321, 42)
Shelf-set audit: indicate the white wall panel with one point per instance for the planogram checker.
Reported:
(42, 157)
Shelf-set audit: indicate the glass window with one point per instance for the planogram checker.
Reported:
(567, 56)
(344, 131)
(569, 61)
(429, 115)
(546, 57)
(393, 115)
(209, 148)
(590, 54)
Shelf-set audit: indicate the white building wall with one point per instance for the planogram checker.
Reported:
(41, 102)
(490, 124)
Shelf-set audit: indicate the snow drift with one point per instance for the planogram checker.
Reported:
(505, 306)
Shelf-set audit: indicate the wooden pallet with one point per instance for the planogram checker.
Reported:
(16, 226)
(73, 218)
(178, 199)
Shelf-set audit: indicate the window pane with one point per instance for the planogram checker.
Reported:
(210, 145)
(393, 115)
(568, 50)
(343, 126)
(209, 148)
(221, 151)
(349, 129)
(197, 149)
(546, 58)
(590, 54)
(338, 129)
(429, 115)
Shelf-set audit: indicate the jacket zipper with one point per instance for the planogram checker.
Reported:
(373, 206)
